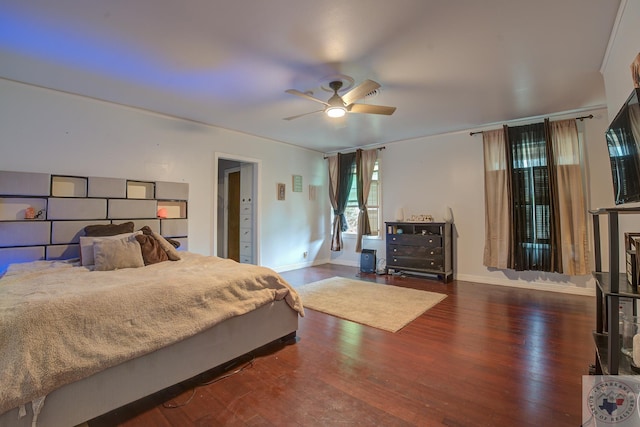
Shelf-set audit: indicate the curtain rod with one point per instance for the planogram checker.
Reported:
(379, 149)
(590, 116)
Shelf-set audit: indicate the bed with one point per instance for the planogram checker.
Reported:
(78, 342)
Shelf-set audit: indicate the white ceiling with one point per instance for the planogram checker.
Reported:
(446, 65)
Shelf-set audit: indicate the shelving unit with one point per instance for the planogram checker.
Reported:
(69, 203)
(610, 287)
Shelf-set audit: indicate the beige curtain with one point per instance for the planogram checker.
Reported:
(365, 163)
(497, 200)
(336, 238)
(571, 203)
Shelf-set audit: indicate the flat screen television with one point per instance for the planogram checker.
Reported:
(623, 142)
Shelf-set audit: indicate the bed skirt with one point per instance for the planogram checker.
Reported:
(119, 385)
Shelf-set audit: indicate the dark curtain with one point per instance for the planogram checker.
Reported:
(554, 208)
(345, 180)
(534, 234)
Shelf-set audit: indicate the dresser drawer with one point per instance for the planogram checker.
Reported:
(246, 249)
(435, 264)
(415, 240)
(246, 235)
(414, 251)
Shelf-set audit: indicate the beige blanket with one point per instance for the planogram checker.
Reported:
(59, 324)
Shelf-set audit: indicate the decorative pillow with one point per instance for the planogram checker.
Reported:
(172, 253)
(152, 252)
(166, 244)
(113, 254)
(86, 246)
(146, 230)
(98, 230)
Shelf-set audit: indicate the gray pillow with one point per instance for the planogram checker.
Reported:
(86, 246)
(114, 254)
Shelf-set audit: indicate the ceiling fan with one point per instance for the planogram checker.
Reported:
(338, 106)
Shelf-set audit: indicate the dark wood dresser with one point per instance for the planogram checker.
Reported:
(423, 247)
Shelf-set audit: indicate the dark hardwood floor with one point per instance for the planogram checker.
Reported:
(485, 356)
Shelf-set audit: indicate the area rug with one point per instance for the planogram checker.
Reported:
(384, 307)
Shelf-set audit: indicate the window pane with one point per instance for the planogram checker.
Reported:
(351, 213)
(373, 220)
(353, 193)
(373, 194)
(531, 197)
(352, 219)
(352, 210)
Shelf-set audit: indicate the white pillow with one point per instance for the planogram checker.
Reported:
(86, 246)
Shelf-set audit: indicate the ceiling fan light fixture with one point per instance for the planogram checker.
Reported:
(338, 106)
(336, 112)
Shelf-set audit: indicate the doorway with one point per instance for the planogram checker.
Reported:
(236, 210)
(233, 216)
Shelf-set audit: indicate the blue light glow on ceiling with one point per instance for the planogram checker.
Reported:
(68, 47)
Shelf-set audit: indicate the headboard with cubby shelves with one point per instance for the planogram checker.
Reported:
(63, 205)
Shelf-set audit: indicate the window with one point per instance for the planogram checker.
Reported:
(373, 204)
(532, 179)
(533, 189)
(531, 197)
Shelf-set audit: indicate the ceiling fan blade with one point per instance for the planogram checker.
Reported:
(304, 95)
(303, 114)
(371, 109)
(360, 91)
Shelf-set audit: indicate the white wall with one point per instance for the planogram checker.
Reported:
(46, 131)
(426, 175)
(52, 132)
(624, 46)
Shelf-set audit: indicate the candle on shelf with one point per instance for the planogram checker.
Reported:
(448, 214)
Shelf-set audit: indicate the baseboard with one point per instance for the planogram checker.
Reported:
(290, 267)
(539, 286)
(348, 263)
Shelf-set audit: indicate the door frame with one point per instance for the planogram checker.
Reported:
(257, 190)
(225, 210)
